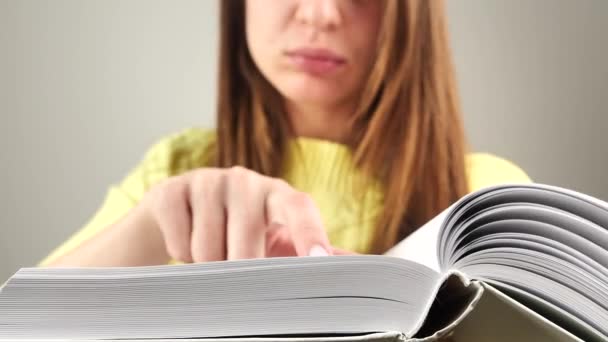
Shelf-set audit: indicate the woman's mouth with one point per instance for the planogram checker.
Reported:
(316, 61)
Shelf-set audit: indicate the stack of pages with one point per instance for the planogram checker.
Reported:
(528, 256)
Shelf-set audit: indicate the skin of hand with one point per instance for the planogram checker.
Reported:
(216, 214)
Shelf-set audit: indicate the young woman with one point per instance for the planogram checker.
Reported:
(338, 130)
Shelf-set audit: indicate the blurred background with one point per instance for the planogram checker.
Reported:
(86, 86)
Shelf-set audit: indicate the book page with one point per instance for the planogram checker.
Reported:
(545, 246)
(390, 336)
(314, 296)
(421, 246)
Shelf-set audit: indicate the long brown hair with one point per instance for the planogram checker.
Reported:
(407, 132)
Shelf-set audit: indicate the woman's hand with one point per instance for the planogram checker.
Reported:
(215, 214)
(207, 215)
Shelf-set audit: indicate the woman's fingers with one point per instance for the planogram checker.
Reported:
(170, 208)
(279, 242)
(218, 214)
(208, 242)
(338, 251)
(246, 228)
(299, 214)
(278, 238)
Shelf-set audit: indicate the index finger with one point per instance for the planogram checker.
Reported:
(302, 218)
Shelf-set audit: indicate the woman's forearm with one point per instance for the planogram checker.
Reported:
(133, 241)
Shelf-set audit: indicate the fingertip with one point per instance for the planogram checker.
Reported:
(318, 250)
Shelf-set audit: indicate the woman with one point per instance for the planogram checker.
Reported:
(338, 130)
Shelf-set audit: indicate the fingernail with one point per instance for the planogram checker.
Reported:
(317, 250)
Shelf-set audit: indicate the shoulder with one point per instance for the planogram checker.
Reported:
(182, 151)
(484, 169)
(171, 155)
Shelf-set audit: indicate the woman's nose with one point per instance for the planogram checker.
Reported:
(322, 14)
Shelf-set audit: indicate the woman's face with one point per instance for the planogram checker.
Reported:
(314, 52)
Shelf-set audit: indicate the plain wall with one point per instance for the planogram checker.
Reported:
(87, 85)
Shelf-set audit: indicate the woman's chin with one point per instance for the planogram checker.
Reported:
(314, 95)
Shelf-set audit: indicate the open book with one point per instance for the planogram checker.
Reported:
(533, 256)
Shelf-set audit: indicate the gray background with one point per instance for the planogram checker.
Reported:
(87, 85)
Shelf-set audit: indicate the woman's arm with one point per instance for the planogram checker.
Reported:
(134, 240)
(209, 214)
(117, 218)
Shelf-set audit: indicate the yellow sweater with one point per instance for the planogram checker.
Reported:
(320, 168)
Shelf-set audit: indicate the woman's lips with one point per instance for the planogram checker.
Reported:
(316, 61)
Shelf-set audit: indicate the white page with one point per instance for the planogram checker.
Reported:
(300, 296)
(421, 245)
